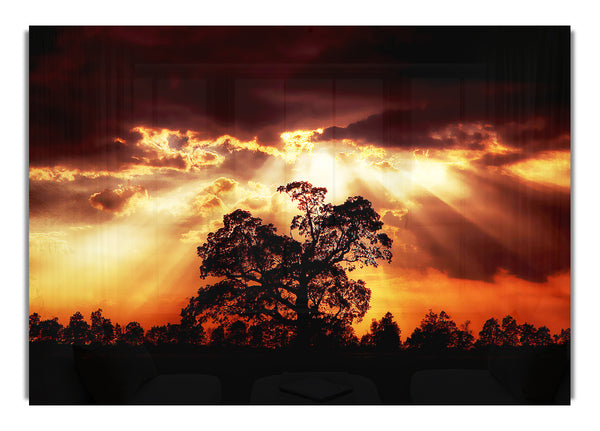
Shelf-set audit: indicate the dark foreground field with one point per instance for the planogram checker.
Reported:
(532, 376)
(238, 369)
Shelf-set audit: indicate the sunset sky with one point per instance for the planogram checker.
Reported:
(141, 139)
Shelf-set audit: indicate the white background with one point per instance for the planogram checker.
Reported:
(580, 15)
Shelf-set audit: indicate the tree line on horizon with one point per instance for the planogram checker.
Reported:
(437, 331)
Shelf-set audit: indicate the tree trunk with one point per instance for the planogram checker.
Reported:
(303, 320)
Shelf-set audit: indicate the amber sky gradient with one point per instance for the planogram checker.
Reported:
(141, 139)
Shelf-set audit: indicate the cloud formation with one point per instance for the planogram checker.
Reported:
(120, 201)
(221, 185)
(306, 77)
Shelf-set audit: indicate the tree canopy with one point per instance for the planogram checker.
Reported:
(291, 280)
(436, 331)
(384, 335)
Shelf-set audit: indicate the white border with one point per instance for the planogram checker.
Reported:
(18, 17)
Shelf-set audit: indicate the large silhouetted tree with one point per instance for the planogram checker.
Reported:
(238, 333)
(217, 336)
(288, 281)
(256, 336)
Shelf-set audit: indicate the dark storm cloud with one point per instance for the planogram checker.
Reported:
(546, 129)
(410, 129)
(266, 108)
(393, 128)
(531, 231)
(89, 85)
(532, 128)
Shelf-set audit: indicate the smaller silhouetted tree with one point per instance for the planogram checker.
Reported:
(156, 335)
(34, 326)
(134, 333)
(543, 337)
(435, 332)
(50, 330)
(341, 335)
(332, 334)
(118, 333)
(527, 334)
(366, 340)
(463, 337)
(190, 331)
(348, 338)
(173, 333)
(385, 333)
(490, 334)
(78, 330)
(269, 336)
(101, 330)
(510, 332)
(563, 337)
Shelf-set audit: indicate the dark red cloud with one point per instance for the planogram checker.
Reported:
(531, 128)
(89, 85)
